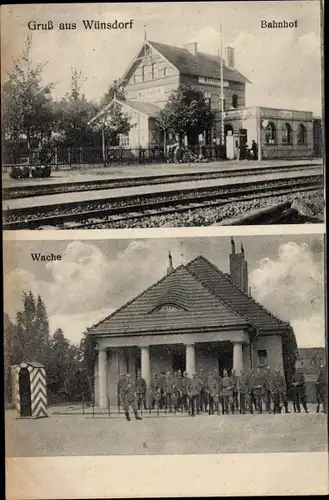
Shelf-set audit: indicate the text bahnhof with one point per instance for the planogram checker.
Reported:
(88, 25)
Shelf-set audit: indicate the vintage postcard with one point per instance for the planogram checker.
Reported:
(155, 344)
(160, 115)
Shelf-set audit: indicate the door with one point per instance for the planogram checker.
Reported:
(178, 362)
(25, 392)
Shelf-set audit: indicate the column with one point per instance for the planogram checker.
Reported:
(190, 359)
(102, 378)
(237, 357)
(145, 365)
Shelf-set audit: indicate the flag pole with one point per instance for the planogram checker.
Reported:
(221, 88)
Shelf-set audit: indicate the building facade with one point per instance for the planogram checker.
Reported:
(158, 69)
(195, 317)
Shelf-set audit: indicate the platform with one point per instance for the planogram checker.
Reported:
(158, 189)
(117, 172)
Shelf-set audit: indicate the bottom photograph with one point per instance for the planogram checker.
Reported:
(165, 346)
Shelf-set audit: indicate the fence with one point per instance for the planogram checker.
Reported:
(76, 157)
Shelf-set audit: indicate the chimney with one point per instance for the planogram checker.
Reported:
(192, 48)
(239, 268)
(170, 268)
(229, 57)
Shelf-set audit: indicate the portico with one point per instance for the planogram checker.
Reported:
(186, 351)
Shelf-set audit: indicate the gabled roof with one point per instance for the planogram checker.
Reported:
(222, 286)
(201, 64)
(145, 108)
(196, 295)
(186, 303)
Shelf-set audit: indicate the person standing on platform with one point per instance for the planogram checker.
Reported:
(242, 385)
(129, 392)
(194, 389)
(321, 393)
(227, 393)
(140, 391)
(299, 391)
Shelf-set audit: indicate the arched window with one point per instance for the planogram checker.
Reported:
(286, 134)
(235, 100)
(270, 134)
(301, 138)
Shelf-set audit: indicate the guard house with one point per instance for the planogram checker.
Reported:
(30, 390)
(195, 317)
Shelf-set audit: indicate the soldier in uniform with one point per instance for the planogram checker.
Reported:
(162, 378)
(214, 391)
(120, 385)
(257, 389)
(155, 392)
(279, 391)
(235, 392)
(140, 391)
(267, 384)
(178, 390)
(204, 393)
(185, 388)
(169, 390)
(242, 385)
(251, 398)
(194, 389)
(227, 393)
(299, 391)
(130, 398)
(321, 391)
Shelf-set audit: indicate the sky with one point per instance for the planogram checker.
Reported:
(284, 65)
(95, 277)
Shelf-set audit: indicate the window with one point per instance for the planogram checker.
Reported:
(301, 138)
(207, 98)
(154, 73)
(235, 101)
(135, 79)
(143, 73)
(270, 134)
(262, 357)
(286, 134)
(124, 140)
(164, 71)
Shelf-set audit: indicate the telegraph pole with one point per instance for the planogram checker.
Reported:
(221, 89)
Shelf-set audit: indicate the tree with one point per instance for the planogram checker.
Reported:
(73, 113)
(27, 104)
(114, 90)
(186, 113)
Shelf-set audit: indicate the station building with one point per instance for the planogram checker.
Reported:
(195, 317)
(158, 69)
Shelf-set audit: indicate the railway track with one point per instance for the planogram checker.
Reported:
(14, 192)
(96, 214)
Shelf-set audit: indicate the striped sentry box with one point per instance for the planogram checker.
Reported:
(38, 388)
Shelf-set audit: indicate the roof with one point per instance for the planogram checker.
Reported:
(196, 295)
(222, 286)
(146, 108)
(201, 64)
(186, 304)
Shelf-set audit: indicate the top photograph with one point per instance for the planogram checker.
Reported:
(158, 115)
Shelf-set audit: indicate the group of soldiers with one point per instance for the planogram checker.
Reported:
(210, 393)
